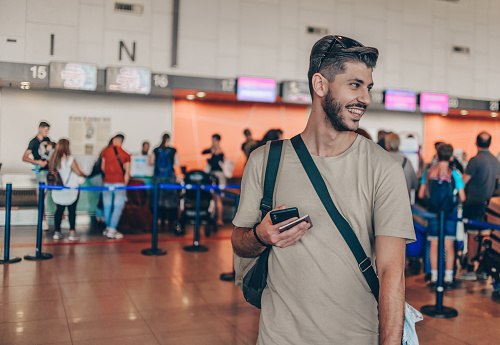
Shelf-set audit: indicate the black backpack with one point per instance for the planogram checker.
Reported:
(441, 195)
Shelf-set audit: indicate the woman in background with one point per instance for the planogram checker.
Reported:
(69, 170)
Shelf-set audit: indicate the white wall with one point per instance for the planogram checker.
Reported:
(139, 118)
(393, 121)
(227, 38)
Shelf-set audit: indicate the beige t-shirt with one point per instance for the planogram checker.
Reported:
(315, 291)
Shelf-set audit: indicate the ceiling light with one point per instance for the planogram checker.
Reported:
(201, 94)
(444, 114)
(464, 112)
(493, 114)
(190, 97)
(25, 85)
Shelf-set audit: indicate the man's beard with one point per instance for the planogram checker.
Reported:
(332, 109)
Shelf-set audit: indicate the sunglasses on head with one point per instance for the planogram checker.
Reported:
(339, 43)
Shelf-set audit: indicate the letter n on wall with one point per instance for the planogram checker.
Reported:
(123, 47)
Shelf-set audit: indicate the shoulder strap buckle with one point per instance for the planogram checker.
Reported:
(364, 265)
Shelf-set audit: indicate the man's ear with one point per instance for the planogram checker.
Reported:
(320, 85)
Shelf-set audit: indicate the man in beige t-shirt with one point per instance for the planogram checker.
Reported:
(315, 293)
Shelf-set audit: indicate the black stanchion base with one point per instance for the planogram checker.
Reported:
(153, 252)
(227, 277)
(42, 256)
(197, 248)
(444, 313)
(10, 261)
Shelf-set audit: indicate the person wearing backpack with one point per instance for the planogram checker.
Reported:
(165, 160)
(437, 187)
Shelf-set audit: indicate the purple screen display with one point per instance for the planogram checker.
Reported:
(400, 100)
(256, 89)
(433, 102)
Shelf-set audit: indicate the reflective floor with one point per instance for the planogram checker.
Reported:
(103, 291)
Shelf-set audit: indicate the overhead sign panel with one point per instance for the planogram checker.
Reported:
(128, 80)
(73, 76)
(296, 92)
(400, 100)
(256, 89)
(434, 102)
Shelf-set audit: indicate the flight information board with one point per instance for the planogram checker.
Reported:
(433, 102)
(400, 100)
(73, 76)
(296, 92)
(128, 80)
(256, 89)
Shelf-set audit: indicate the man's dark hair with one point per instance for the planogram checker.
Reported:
(216, 136)
(444, 151)
(43, 124)
(247, 133)
(437, 143)
(483, 140)
(334, 62)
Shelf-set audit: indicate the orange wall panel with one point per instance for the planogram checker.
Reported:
(459, 132)
(195, 122)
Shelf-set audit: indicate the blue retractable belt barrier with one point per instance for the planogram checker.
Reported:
(154, 250)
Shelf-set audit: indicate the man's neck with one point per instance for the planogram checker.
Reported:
(322, 139)
(40, 137)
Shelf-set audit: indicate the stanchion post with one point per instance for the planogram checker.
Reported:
(6, 243)
(196, 247)
(439, 310)
(39, 255)
(154, 250)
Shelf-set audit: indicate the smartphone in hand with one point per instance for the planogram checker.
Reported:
(279, 216)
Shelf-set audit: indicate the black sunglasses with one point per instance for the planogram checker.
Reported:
(339, 43)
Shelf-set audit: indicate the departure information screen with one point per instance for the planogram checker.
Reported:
(256, 89)
(128, 80)
(400, 100)
(73, 75)
(433, 102)
(296, 92)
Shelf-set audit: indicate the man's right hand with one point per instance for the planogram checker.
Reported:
(270, 234)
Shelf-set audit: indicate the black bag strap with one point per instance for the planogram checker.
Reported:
(364, 263)
(273, 163)
(119, 160)
(266, 205)
(404, 162)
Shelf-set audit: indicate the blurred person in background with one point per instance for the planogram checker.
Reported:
(214, 168)
(442, 172)
(116, 169)
(165, 160)
(381, 138)
(37, 154)
(392, 146)
(250, 143)
(68, 169)
(480, 179)
(145, 148)
(454, 162)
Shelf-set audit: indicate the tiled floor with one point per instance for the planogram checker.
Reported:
(105, 292)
